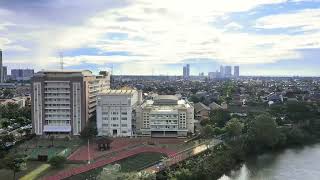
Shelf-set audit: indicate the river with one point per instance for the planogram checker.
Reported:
(292, 164)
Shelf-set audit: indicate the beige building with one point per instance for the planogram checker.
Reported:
(63, 101)
(165, 116)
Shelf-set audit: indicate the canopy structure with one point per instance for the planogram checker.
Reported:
(104, 143)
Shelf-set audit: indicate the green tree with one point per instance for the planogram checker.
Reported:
(14, 163)
(207, 131)
(181, 174)
(57, 161)
(89, 131)
(5, 123)
(219, 117)
(112, 172)
(22, 121)
(194, 99)
(51, 139)
(234, 127)
(263, 131)
(8, 93)
(7, 138)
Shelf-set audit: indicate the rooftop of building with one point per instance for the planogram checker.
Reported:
(166, 106)
(165, 100)
(116, 92)
(63, 72)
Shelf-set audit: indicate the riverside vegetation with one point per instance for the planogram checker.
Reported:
(281, 126)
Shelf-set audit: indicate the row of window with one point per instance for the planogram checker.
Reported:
(57, 116)
(57, 122)
(115, 118)
(57, 110)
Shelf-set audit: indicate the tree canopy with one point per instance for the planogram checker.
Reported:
(219, 117)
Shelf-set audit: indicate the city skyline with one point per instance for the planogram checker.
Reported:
(276, 37)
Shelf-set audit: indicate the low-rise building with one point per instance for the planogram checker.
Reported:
(201, 111)
(165, 116)
(115, 112)
(21, 101)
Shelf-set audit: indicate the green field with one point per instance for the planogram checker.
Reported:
(36, 146)
(139, 161)
(130, 164)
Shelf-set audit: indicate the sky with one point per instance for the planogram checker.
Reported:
(140, 37)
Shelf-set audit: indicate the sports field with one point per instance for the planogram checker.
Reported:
(130, 164)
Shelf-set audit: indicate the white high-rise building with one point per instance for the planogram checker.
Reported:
(165, 116)
(115, 112)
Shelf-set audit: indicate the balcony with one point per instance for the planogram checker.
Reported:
(57, 97)
(57, 128)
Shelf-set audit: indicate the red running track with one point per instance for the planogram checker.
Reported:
(118, 144)
(122, 155)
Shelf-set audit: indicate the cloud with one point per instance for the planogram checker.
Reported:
(233, 26)
(150, 32)
(305, 20)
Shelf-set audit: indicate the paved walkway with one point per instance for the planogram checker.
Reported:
(121, 155)
(181, 156)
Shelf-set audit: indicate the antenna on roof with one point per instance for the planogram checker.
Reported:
(61, 60)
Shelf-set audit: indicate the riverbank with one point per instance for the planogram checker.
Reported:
(298, 162)
(246, 138)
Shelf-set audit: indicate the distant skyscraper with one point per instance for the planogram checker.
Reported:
(4, 73)
(186, 71)
(236, 71)
(227, 71)
(22, 74)
(1, 70)
(221, 71)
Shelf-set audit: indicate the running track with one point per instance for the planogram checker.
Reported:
(122, 155)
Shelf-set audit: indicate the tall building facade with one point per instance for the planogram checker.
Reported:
(186, 71)
(222, 71)
(1, 69)
(4, 73)
(236, 71)
(227, 71)
(165, 116)
(115, 112)
(21, 74)
(63, 101)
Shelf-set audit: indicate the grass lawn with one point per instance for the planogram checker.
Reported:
(133, 163)
(37, 146)
(139, 161)
(8, 174)
(36, 172)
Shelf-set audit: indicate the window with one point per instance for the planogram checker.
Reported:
(124, 125)
(124, 118)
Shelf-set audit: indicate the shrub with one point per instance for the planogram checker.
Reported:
(57, 161)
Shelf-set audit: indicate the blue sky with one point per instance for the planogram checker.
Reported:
(264, 37)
